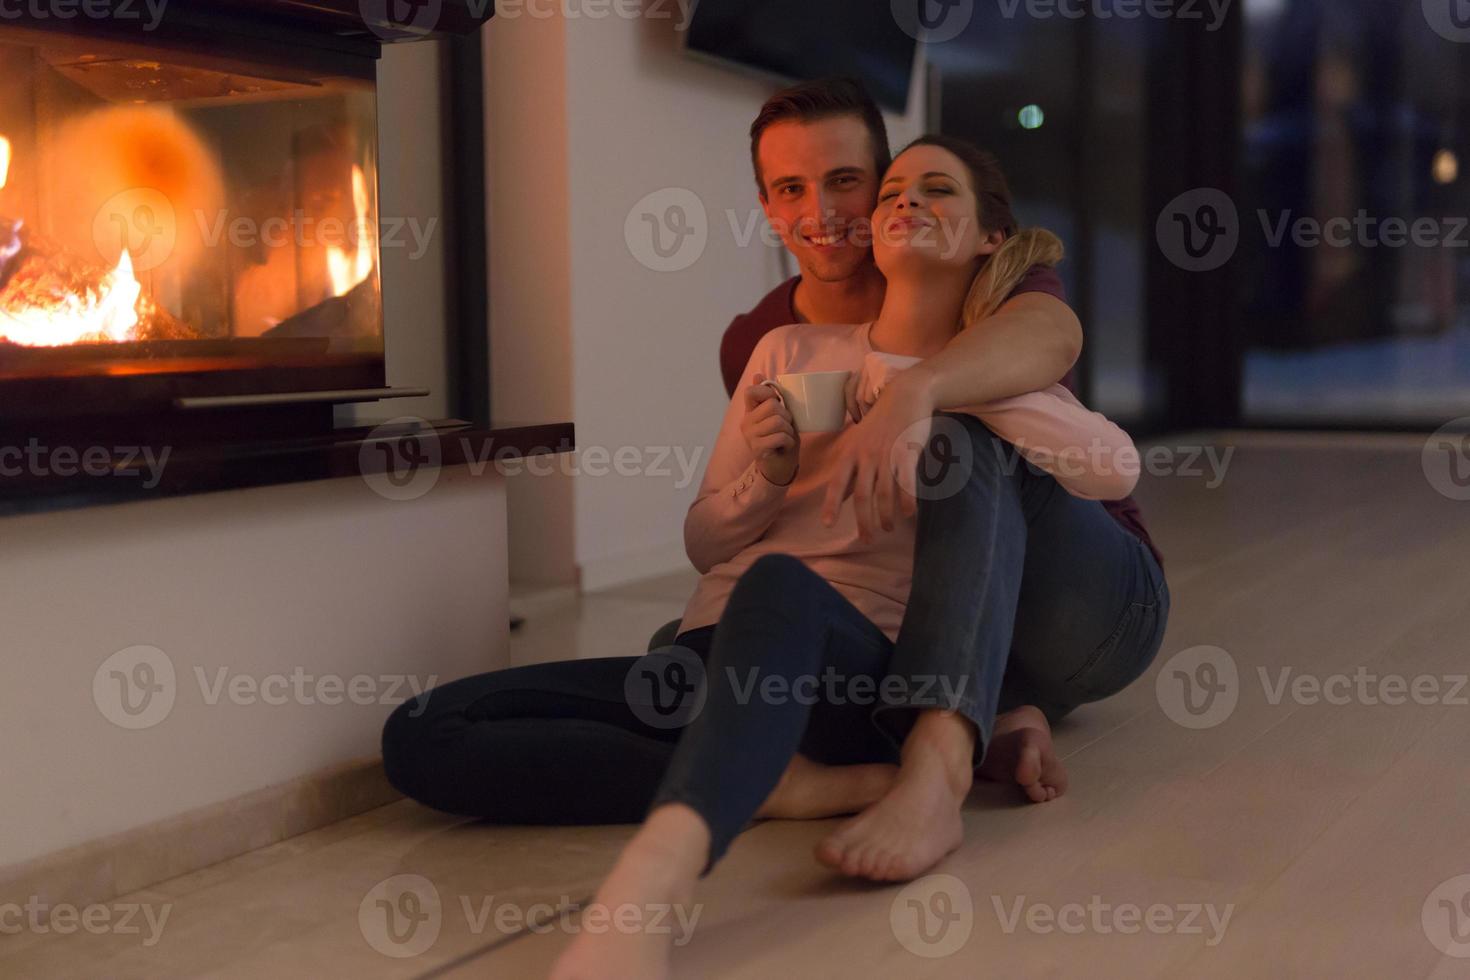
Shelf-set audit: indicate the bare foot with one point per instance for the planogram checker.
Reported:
(654, 878)
(812, 791)
(1021, 750)
(911, 828)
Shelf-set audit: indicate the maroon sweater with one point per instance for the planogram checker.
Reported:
(779, 309)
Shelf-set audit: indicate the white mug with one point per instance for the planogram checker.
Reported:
(817, 400)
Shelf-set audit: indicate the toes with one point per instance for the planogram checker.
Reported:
(865, 862)
(1041, 792)
(1053, 774)
(900, 868)
(1059, 779)
(835, 849)
(1028, 765)
(831, 852)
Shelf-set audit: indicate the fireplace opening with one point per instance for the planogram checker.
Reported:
(180, 225)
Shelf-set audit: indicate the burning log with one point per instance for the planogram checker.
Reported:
(354, 316)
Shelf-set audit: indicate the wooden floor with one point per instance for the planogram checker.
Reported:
(1280, 838)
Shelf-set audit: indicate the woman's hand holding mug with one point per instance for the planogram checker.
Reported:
(770, 432)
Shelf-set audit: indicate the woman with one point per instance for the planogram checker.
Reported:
(784, 597)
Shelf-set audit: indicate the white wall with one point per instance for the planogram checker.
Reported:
(621, 112)
(328, 578)
(530, 273)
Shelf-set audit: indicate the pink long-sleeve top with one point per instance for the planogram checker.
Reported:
(739, 515)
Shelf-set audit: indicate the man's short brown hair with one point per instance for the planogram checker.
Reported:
(823, 98)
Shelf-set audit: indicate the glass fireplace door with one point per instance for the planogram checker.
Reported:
(163, 212)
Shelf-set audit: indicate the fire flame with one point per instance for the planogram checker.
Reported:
(347, 272)
(107, 314)
(47, 316)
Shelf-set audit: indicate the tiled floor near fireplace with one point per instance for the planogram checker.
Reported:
(1330, 833)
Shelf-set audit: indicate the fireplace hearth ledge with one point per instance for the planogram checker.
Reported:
(38, 477)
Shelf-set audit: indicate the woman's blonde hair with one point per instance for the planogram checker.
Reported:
(1022, 249)
(1005, 269)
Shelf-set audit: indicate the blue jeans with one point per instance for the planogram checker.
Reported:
(1022, 594)
(1036, 596)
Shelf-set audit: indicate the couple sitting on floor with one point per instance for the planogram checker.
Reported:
(978, 610)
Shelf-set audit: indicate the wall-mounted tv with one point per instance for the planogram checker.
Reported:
(809, 39)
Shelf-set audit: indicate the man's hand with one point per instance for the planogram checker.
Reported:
(864, 384)
(876, 460)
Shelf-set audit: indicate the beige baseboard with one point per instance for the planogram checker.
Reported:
(634, 566)
(101, 870)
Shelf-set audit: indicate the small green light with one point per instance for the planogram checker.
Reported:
(1031, 117)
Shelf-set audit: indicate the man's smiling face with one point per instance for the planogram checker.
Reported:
(820, 190)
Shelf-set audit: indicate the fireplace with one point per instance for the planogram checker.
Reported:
(188, 207)
(190, 249)
(189, 238)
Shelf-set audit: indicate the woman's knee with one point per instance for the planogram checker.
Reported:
(776, 617)
(773, 580)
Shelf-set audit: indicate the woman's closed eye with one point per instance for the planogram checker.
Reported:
(931, 190)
